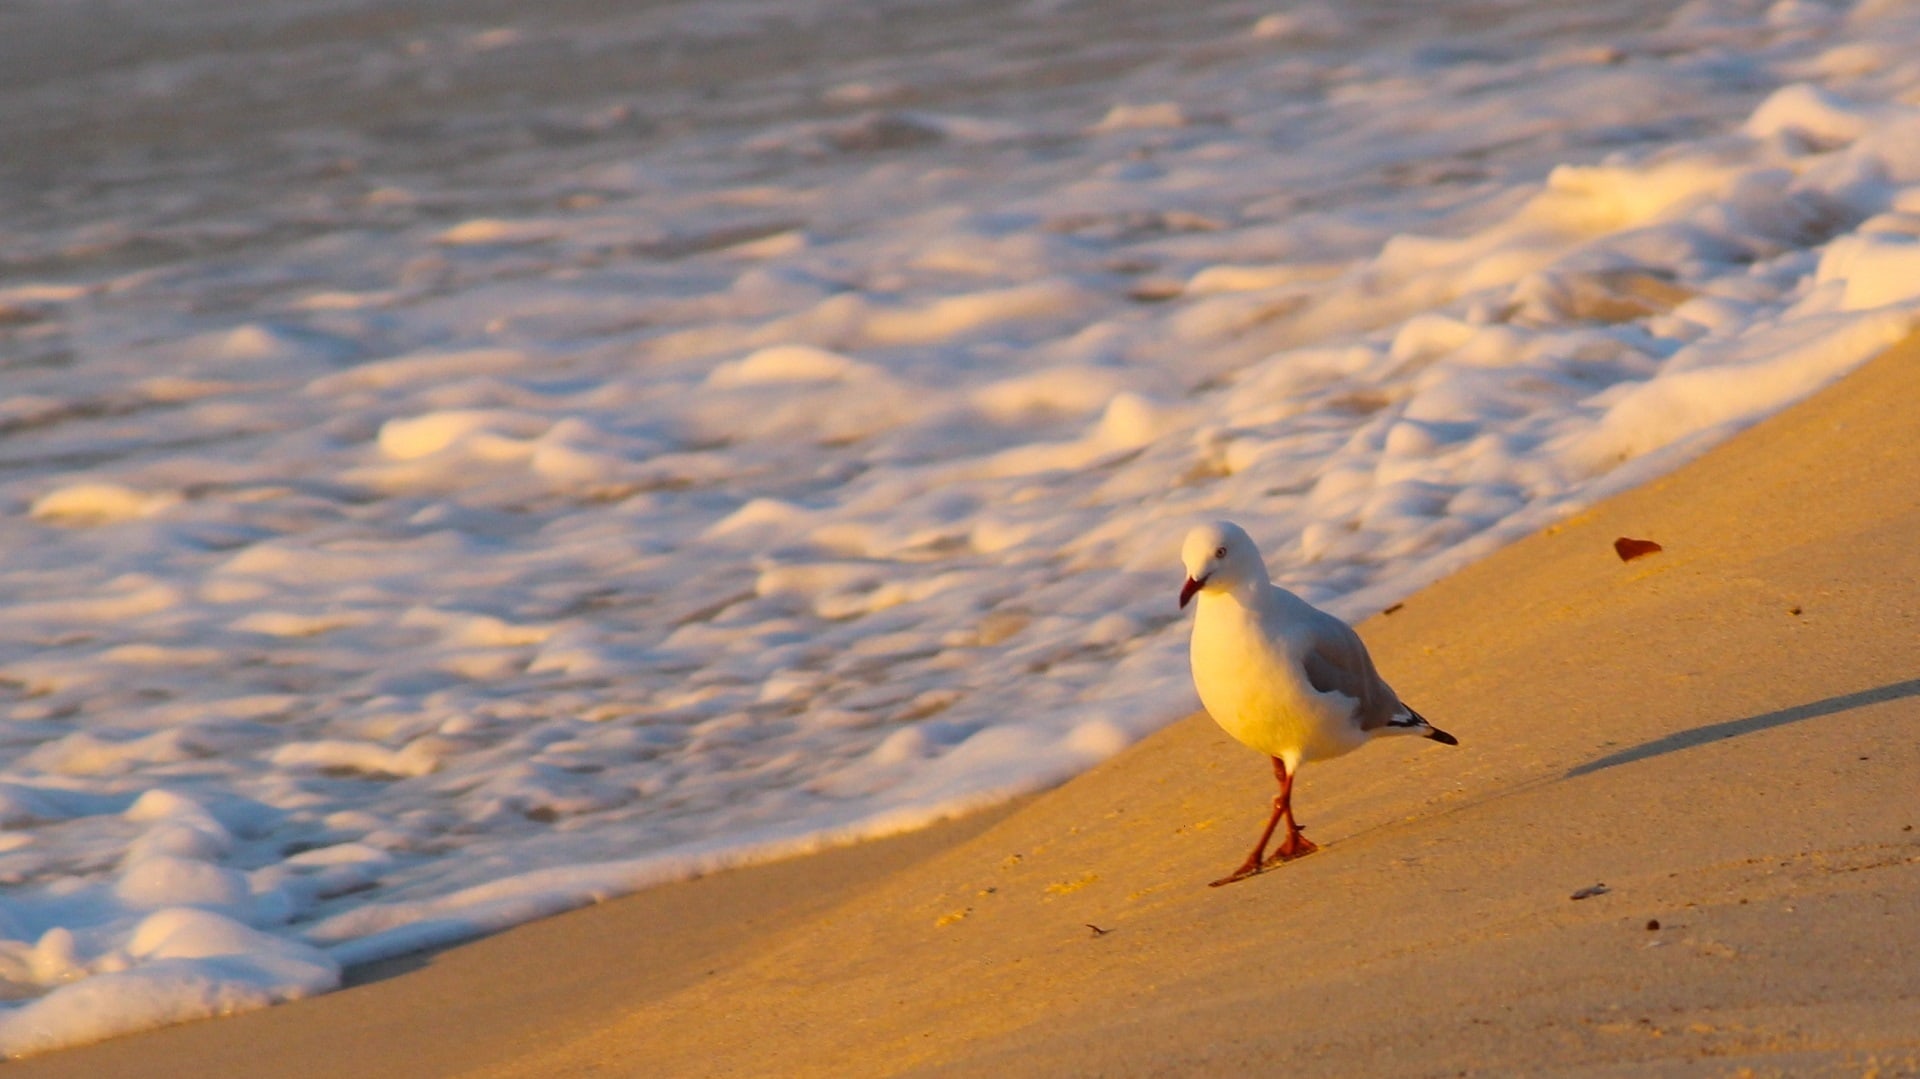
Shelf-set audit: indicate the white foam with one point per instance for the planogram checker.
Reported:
(787, 363)
(178, 964)
(99, 503)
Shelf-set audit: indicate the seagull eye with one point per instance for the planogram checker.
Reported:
(1219, 552)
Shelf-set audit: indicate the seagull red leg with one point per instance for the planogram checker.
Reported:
(1255, 860)
(1295, 844)
(1258, 859)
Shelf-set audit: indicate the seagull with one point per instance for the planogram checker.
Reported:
(1281, 675)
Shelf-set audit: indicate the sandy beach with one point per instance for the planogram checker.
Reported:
(1712, 744)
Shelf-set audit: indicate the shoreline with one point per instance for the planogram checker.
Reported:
(443, 1011)
(1720, 734)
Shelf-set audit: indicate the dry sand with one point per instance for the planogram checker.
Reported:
(1723, 734)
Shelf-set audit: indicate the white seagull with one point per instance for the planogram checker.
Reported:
(1281, 675)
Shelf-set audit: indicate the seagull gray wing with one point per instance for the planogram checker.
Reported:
(1337, 662)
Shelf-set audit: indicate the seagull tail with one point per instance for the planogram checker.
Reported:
(1415, 723)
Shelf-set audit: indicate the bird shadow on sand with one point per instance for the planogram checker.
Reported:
(1714, 732)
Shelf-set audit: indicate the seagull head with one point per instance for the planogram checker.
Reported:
(1220, 557)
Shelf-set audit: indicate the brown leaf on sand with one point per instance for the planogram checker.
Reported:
(1630, 549)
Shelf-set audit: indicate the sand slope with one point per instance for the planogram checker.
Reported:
(1670, 727)
(1724, 734)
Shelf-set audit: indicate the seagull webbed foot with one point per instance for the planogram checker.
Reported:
(1250, 867)
(1296, 845)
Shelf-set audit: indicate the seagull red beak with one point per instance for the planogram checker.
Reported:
(1187, 590)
